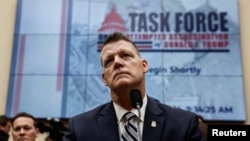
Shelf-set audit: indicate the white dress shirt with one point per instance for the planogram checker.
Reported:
(120, 111)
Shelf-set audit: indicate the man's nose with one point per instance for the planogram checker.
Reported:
(22, 131)
(117, 58)
(118, 61)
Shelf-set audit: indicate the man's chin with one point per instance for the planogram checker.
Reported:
(122, 83)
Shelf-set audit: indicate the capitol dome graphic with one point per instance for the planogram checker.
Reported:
(113, 22)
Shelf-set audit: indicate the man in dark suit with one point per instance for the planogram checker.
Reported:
(5, 125)
(124, 70)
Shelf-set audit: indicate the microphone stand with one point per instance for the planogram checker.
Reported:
(136, 101)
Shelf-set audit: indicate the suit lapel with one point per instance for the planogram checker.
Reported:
(153, 122)
(107, 122)
(152, 128)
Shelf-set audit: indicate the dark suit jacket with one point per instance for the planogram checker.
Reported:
(100, 124)
(3, 136)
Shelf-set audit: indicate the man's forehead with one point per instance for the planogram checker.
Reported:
(120, 45)
(23, 120)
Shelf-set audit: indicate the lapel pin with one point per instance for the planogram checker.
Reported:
(153, 123)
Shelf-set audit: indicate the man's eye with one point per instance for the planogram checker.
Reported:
(16, 129)
(107, 62)
(27, 128)
(24, 128)
(126, 55)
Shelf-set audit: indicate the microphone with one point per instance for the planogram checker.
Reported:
(135, 98)
(136, 101)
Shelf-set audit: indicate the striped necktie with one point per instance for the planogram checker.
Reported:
(130, 132)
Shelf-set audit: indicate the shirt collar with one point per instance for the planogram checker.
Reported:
(120, 111)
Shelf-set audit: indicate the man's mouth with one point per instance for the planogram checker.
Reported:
(22, 139)
(120, 73)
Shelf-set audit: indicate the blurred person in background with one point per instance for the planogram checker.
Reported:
(203, 126)
(24, 127)
(5, 125)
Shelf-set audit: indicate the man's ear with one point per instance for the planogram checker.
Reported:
(37, 132)
(145, 65)
(104, 80)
